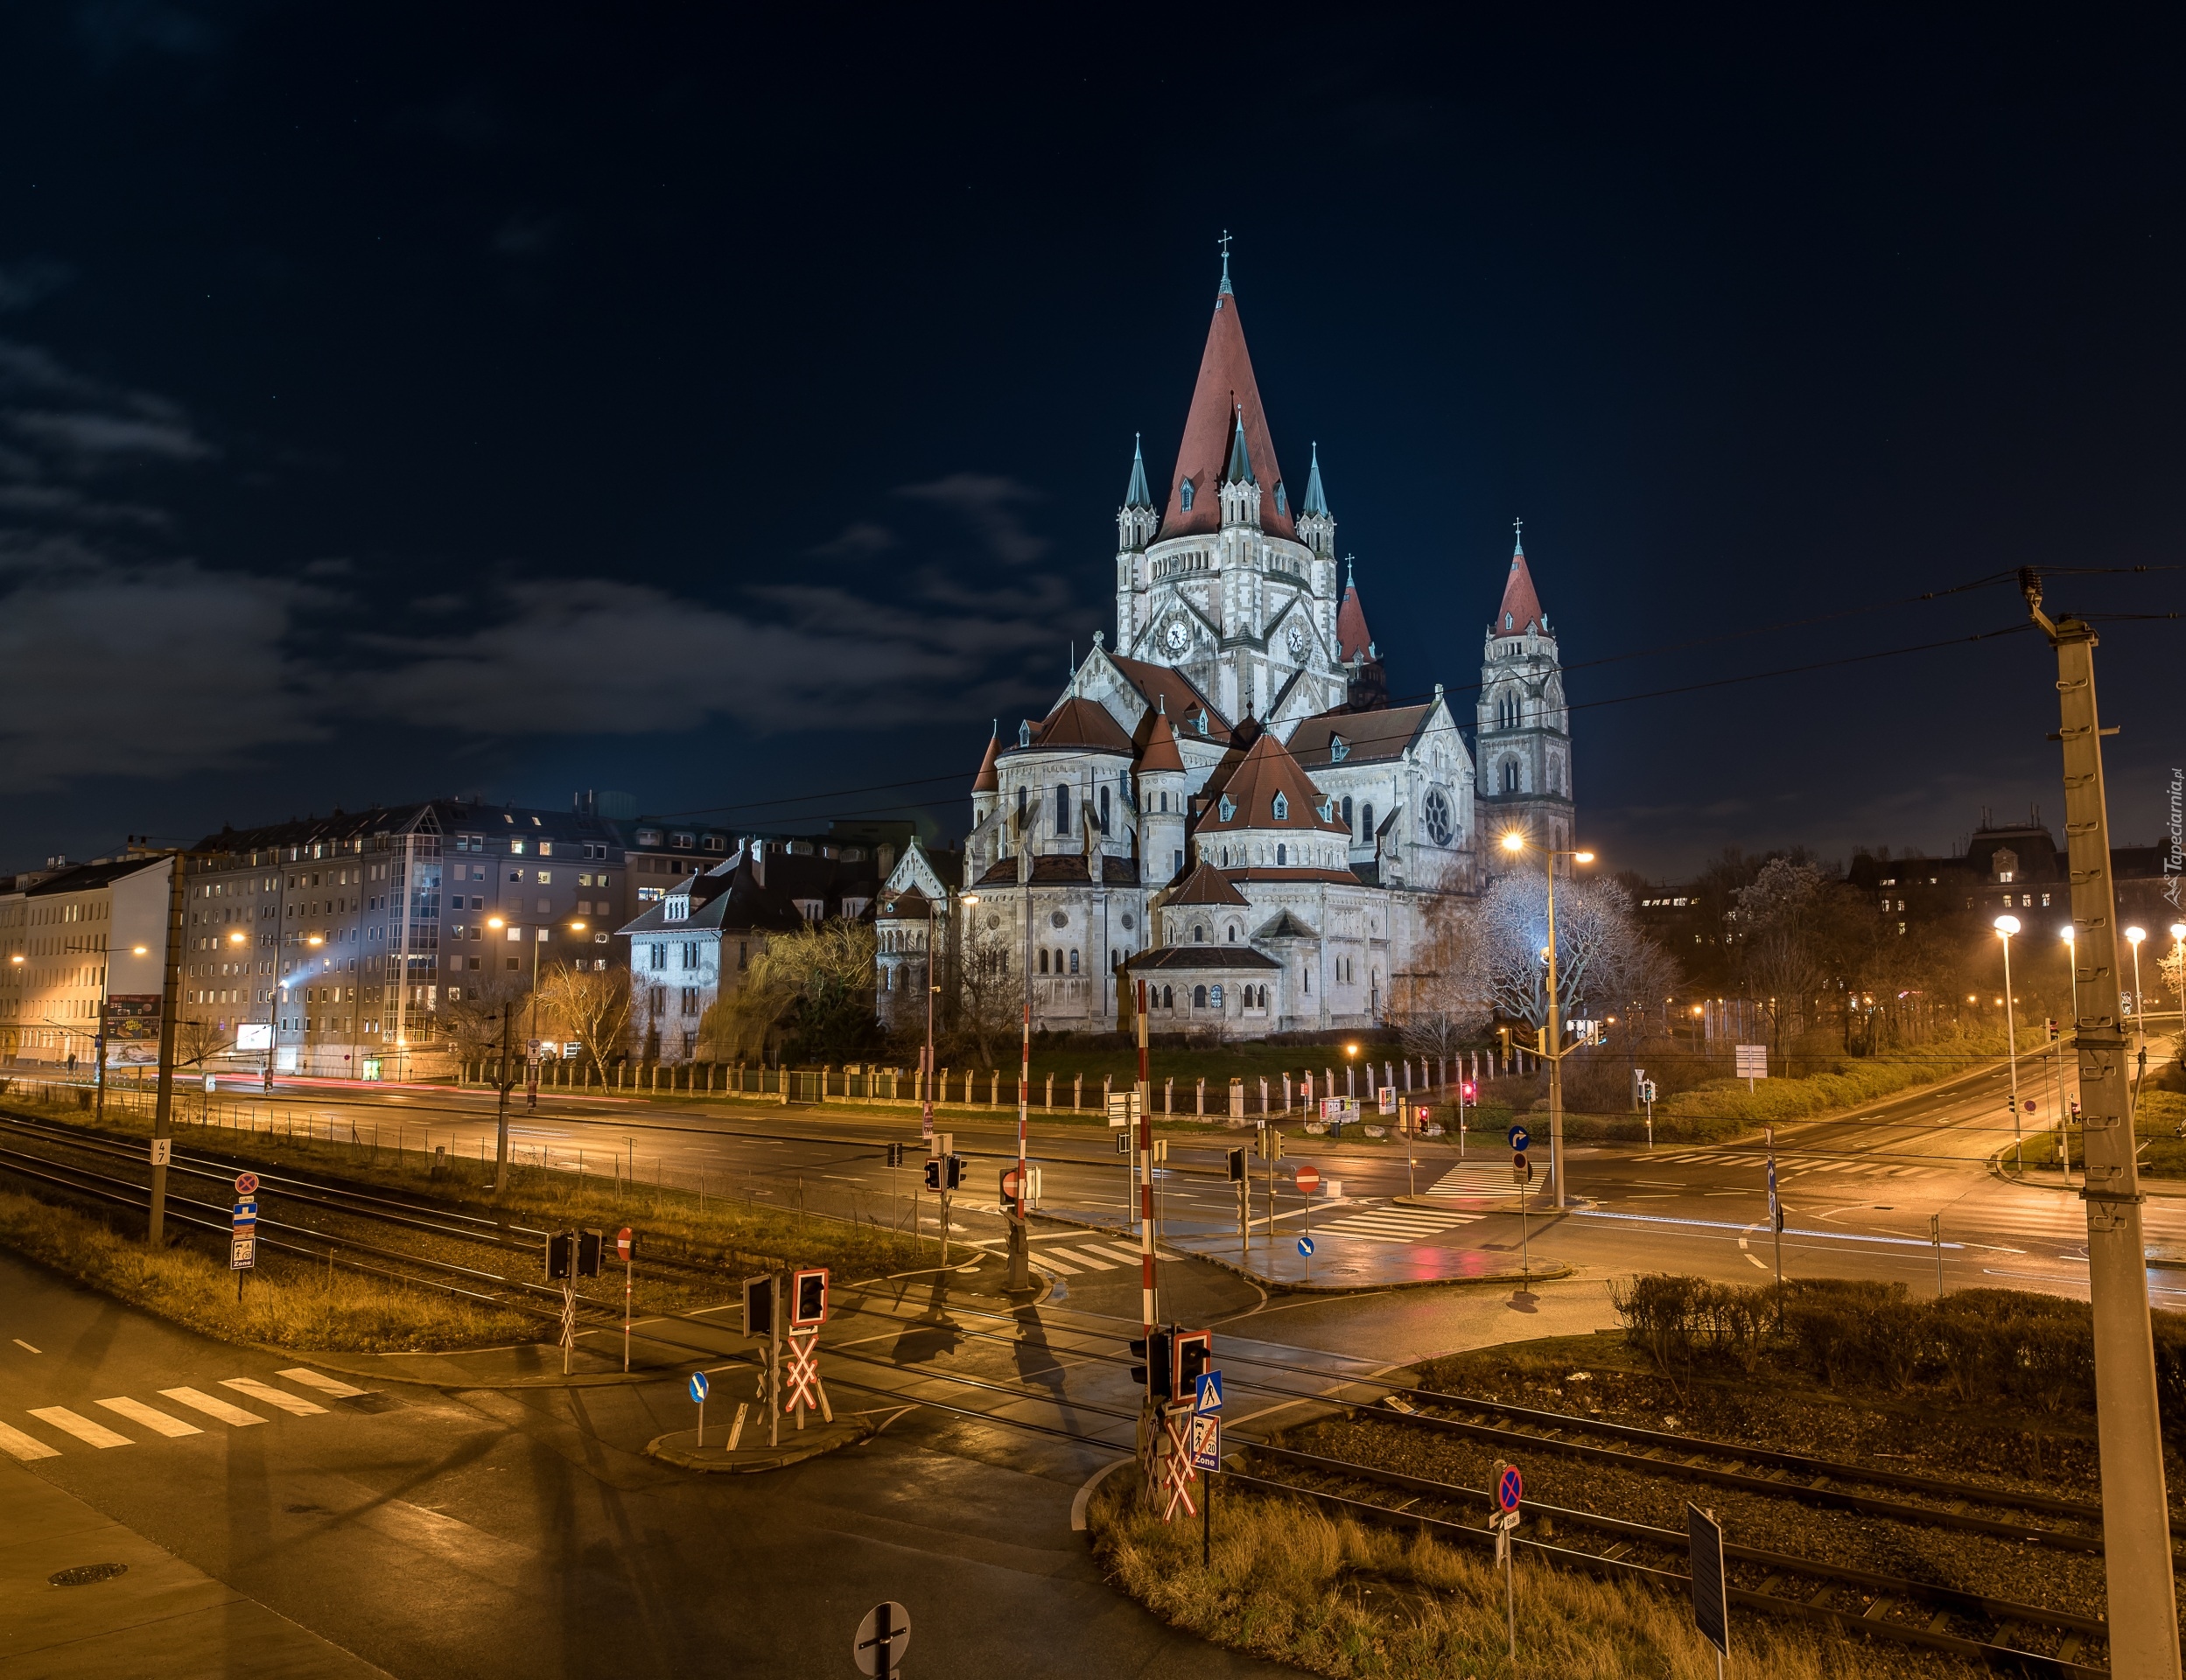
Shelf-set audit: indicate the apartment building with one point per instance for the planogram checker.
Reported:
(81, 944)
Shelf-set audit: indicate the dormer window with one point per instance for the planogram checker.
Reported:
(1506, 621)
(649, 836)
(1327, 807)
(1184, 494)
(1025, 734)
(677, 907)
(1282, 499)
(682, 840)
(1339, 749)
(1201, 720)
(1282, 806)
(1226, 808)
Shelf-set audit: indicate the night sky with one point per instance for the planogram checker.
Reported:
(400, 401)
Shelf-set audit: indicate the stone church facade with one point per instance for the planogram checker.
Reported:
(1224, 804)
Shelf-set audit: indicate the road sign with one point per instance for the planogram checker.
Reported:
(1753, 1061)
(624, 1243)
(1388, 1099)
(1207, 1441)
(1307, 1180)
(246, 1185)
(1705, 1536)
(1520, 1138)
(242, 1254)
(1209, 1396)
(1510, 1486)
(1123, 1110)
(882, 1638)
(246, 1213)
(1306, 1248)
(699, 1386)
(2031, 1105)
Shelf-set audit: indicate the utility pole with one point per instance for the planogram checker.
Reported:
(1020, 1238)
(169, 1022)
(500, 1120)
(2143, 1609)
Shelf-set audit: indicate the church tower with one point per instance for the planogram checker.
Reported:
(1135, 524)
(1525, 734)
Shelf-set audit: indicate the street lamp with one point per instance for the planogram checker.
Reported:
(2006, 926)
(1552, 1042)
(933, 990)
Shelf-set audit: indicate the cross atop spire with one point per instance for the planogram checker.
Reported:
(1224, 242)
(1518, 535)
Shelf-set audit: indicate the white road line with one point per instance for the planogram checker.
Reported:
(312, 1379)
(25, 1346)
(25, 1447)
(1047, 1262)
(1090, 1259)
(213, 1406)
(153, 1418)
(82, 1428)
(1129, 1256)
(273, 1397)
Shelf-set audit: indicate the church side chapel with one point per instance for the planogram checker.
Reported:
(1224, 804)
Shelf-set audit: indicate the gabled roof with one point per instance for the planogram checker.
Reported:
(83, 877)
(1285, 926)
(1266, 772)
(732, 902)
(1206, 884)
(1226, 396)
(1080, 722)
(1209, 956)
(1520, 614)
(986, 781)
(1353, 639)
(1172, 691)
(1369, 737)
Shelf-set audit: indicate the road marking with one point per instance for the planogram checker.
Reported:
(1096, 1259)
(213, 1406)
(82, 1428)
(312, 1379)
(273, 1397)
(25, 1447)
(1047, 1262)
(25, 1346)
(153, 1418)
(1129, 1256)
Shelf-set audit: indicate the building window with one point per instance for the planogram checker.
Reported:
(1282, 855)
(1199, 997)
(1347, 810)
(1073, 962)
(1214, 996)
(1282, 806)
(1168, 997)
(1177, 866)
(658, 958)
(1509, 775)
(1043, 959)
(1199, 934)
(1184, 494)
(1366, 824)
(1104, 810)
(1062, 808)
(1021, 797)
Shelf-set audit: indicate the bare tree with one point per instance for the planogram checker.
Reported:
(590, 1007)
(989, 992)
(813, 985)
(197, 1042)
(1443, 1004)
(473, 1022)
(1783, 954)
(1506, 929)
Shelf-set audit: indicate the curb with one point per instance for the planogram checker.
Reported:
(753, 1461)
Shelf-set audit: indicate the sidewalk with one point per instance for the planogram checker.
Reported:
(159, 1616)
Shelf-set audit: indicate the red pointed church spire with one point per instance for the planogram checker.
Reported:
(1353, 639)
(1520, 614)
(1227, 397)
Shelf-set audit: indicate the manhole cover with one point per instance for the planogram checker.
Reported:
(85, 1574)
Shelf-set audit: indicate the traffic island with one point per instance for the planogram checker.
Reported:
(681, 1446)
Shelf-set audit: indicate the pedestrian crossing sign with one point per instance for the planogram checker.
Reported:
(1209, 1396)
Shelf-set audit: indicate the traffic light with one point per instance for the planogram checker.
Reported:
(1469, 1091)
(934, 1174)
(2053, 1029)
(561, 1254)
(895, 1154)
(1237, 1165)
(1193, 1351)
(589, 1244)
(1156, 1374)
(952, 1171)
(1271, 1144)
(758, 1306)
(807, 1297)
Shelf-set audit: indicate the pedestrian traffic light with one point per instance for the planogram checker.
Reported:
(952, 1171)
(2053, 1029)
(561, 1254)
(1192, 1351)
(589, 1244)
(1156, 1374)
(934, 1174)
(1237, 1165)
(1469, 1091)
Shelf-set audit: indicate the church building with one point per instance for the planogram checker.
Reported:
(1225, 804)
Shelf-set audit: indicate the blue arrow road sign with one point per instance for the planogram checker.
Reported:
(1210, 1392)
(1305, 1246)
(1520, 1138)
(699, 1386)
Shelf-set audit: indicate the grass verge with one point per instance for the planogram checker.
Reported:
(1291, 1584)
(286, 1303)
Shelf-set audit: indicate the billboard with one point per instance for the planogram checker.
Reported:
(133, 1018)
(253, 1035)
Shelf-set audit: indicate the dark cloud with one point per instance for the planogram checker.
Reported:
(32, 281)
(988, 503)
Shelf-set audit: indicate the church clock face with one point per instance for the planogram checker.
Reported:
(1295, 642)
(1178, 637)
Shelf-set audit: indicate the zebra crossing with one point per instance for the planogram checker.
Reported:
(1394, 1224)
(1797, 1168)
(1474, 1179)
(63, 1421)
(1082, 1256)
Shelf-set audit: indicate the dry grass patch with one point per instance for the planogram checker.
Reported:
(286, 1303)
(1291, 1584)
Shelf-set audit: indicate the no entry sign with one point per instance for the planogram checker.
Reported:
(624, 1241)
(1307, 1180)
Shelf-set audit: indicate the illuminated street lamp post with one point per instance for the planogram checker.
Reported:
(2133, 936)
(1553, 1039)
(2006, 926)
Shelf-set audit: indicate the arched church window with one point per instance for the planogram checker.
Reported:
(1022, 795)
(1199, 997)
(1184, 495)
(1073, 962)
(1282, 806)
(1509, 775)
(1104, 810)
(1199, 933)
(1506, 617)
(1233, 933)
(1282, 855)
(1366, 823)
(1347, 810)
(1282, 499)
(1062, 808)
(1168, 997)
(1043, 959)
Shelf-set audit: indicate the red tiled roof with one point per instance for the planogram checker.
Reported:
(1172, 690)
(1335, 876)
(1160, 751)
(1353, 640)
(1520, 609)
(1251, 786)
(1206, 884)
(1368, 735)
(1080, 722)
(1225, 377)
(986, 781)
